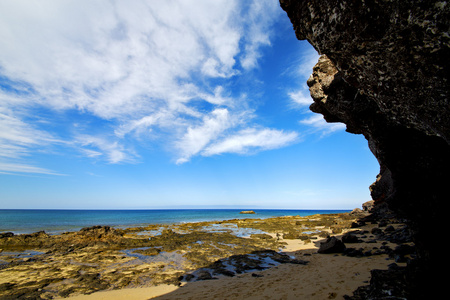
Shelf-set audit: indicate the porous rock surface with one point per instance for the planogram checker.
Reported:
(383, 71)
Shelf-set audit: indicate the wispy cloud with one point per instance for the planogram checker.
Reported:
(108, 149)
(18, 136)
(300, 98)
(150, 69)
(252, 139)
(19, 139)
(318, 123)
(17, 168)
(196, 138)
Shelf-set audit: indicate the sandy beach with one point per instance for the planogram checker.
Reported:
(184, 262)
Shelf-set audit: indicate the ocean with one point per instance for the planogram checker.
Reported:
(20, 221)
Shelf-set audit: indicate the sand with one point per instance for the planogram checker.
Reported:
(326, 276)
(128, 294)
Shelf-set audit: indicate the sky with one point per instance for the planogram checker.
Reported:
(114, 104)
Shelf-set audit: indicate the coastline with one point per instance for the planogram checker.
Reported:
(105, 273)
(58, 221)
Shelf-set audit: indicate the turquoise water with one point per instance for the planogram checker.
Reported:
(57, 221)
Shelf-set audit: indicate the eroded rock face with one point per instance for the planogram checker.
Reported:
(384, 73)
(386, 49)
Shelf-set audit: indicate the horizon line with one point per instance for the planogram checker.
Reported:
(180, 208)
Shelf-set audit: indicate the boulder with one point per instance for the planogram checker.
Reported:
(332, 245)
(367, 206)
(350, 237)
(203, 275)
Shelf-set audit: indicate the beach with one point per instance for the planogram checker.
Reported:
(277, 258)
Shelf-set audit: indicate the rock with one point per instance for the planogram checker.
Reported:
(358, 223)
(350, 237)
(389, 228)
(149, 252)
(356, 211)
(262, 236)
(352, 252)
(290, 236)
(376, 231)
(187, 277)
(247, 212)
(331, 245)
(367, 206)
(244, 263)
(6, 235)
(384, 284)
(384, 73)
(382, 223)
(404, 249)
(203, 275)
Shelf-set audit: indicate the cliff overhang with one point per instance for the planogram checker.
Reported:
(384, 73)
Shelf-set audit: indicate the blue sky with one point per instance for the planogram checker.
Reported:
(166, 104)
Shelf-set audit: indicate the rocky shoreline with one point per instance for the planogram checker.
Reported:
(42, 266)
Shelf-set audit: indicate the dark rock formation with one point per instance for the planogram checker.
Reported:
(384, 73)
(331, 245)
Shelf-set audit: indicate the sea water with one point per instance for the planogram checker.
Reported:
(21, 221)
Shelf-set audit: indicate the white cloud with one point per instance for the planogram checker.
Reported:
(260, 17)
(251, 139)
(149, 68)
(318, 123)
(196, 138)
(113, 57)
(15, 168)
(16, 136)
(300, 98)
(112, 151)
(19, 139)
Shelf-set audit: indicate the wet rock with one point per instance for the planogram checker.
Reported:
(149, 252)
(6, 286)
(6, 235)
(262, 236)
(239, 264)
(290, 236)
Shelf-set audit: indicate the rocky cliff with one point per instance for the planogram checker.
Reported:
(384, 73)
